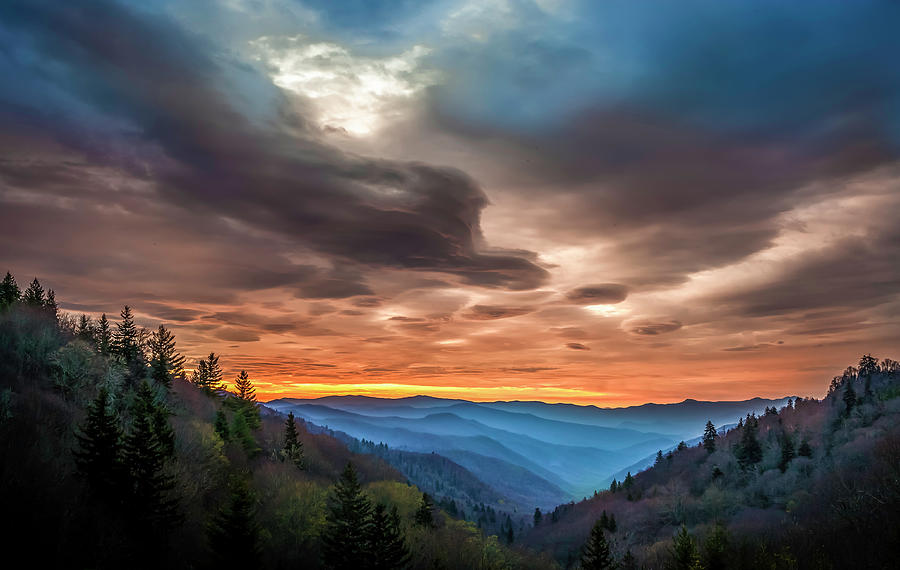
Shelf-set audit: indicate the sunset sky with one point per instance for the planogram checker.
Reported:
(590, 202)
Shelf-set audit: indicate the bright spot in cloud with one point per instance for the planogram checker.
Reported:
(606, 310)
(357, 94)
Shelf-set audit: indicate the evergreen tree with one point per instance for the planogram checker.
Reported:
(234, 534)
(659, 457)
(709, 437)
(293, 447)
(614, 486)
(749, 450)
(126, 343)
(50, 305)
(145, 456)
(849, 397)
(103, 336)
(34, 295)
(604, 520)
(425, 513)
(715, 549)
(99, 453)
(684, 552)
(387, 546)
(628, 483)
(628, 561)
(596, 554)
(85, 330)
(240, 432)
(244, 401)
(221, 426)
(9, 291)
(681, 446)
(612, 523)
(805, 450)
(346, 536)
(208, 375)
(165, 362)
(787, 451)
(537, 516)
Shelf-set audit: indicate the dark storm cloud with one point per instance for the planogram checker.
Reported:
(680, 138)
(602, 294)
(492, 312)
(176, 101)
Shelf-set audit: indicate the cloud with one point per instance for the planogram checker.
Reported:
(647, 327)
(492, 312)
(602, 294)
(577, 346)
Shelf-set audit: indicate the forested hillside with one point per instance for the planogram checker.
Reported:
(112, 456)
(815, 484)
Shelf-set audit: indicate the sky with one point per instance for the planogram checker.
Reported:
(570, 201)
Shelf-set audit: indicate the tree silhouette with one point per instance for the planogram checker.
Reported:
(145, 455)
(537, 516)
(9, 291)
(346, 536)
(103, 336)
(749, 450)
(293, 447)
(99, 452)
(234, 534)
(787, 451)
(125, 342)
(386, 544)
(709, 437)
(34, 295)
(165, 361)
(684, 551)
(244, 401)
(208, 375)
(425, 513)
(596, 554)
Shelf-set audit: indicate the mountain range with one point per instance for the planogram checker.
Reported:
(548, 453)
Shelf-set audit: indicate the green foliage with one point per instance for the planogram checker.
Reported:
(292, 450)
(596, 554)
(787, 451)
(684, 552)
(234, 534)
(386, 543)
(99, 452)
(244, 401)
(348, 529)
(9, 291)
(221, 426)
(103, 336)
(749, 451)
(715, 548)
(146, 452)
(165, 361)
(425, 512)
(240, 433)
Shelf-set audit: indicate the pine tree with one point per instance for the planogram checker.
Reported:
(9, 291)
(99, 453)
(208, 375)
(614, 486)
(145, 455)
(596, 554)
(386, 546)
(612, 523)
(715, 549)
(628, 561)
(104, 336)
(805, 450)
(425, 513)
(684, 551)
(165, 362)
(85, 330)
(849, 397)
(787, 451)
(50, 305)
(244, 401)
(293, 447)
(604, 520)
(347, 531)
(221, 426)
(749, 450)
(126, 339)
(537, 516)
(34, 295)
(628, 483)
(234, 534)
(709, 437)
(659, 457)
(240, 432)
